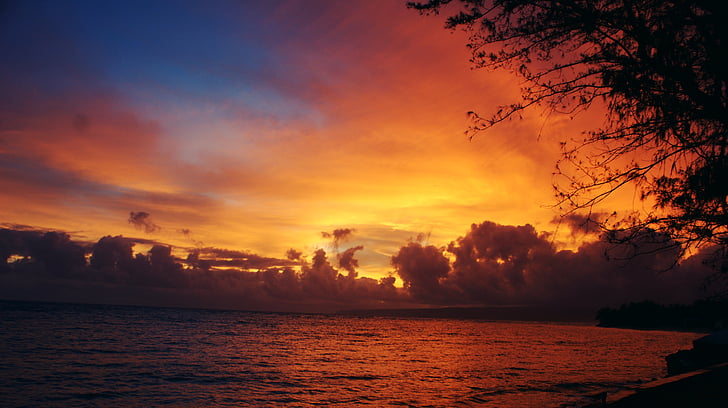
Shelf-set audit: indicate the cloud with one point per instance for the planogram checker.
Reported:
(48, 265)
(347, 260)
(422, 270)
(581, 223)
(188, 234)
(219, 257)
(492, 264)
(110, 136)
(293, 254)
(53, 252)
(497, 264)
(338, 235)
(142, 220)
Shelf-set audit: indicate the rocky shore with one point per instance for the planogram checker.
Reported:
(698, 378)
(705, 388)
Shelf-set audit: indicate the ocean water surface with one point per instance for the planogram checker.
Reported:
(63, 355)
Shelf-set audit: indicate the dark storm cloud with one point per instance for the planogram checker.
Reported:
(143, 221)
(53, 252)
(293, 255)
(338, 235)
(54, 268)
(245, 260)
(47, 265)
(225, 253)
(490, 265)
(514, 265)
(22, 227)
(347, 260)
(320, 280)
(135, 240)
(422, 269)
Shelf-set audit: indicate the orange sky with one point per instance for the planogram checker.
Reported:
(265, 127)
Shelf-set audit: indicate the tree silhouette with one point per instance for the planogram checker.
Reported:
(659, 67)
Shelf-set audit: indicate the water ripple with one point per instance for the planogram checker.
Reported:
(76, 356)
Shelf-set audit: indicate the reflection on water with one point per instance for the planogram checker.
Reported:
(73, 355)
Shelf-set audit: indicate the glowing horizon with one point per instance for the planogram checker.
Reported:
(256, 127)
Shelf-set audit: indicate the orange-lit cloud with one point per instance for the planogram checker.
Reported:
(354, 118)
(491, 265)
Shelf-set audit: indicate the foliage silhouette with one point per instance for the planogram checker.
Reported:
(701, 315)
(659, 67)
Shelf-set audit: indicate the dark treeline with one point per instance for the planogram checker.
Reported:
(702, 315)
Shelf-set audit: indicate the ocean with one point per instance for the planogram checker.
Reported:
(67, 355)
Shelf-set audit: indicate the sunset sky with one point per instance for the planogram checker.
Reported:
(256, 126)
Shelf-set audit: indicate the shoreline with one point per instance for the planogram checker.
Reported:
(703, 388)
(699, 330)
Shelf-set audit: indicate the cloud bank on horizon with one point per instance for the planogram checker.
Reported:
(246, 124)
(491, 265)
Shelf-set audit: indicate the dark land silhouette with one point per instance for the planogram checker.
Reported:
(702, 315)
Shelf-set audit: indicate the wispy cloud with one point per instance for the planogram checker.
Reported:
(258, 125)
